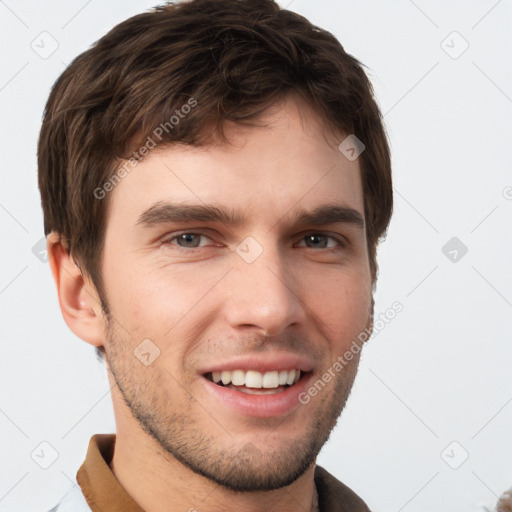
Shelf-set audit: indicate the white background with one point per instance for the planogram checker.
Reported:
(438, 373)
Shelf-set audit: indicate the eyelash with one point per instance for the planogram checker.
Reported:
(341, 244)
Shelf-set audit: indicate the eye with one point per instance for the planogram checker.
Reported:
(319, 240)
(186, 240)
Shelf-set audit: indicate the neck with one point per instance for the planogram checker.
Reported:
(157, 482)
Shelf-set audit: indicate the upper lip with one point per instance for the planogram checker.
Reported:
(262, 363)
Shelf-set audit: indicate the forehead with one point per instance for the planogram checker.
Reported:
(290, 160)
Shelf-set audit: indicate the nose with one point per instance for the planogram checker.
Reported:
(264, 294)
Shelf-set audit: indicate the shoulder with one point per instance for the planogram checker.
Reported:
(334, 495)
(73, 501)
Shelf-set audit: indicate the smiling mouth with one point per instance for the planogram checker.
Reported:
(256, 383)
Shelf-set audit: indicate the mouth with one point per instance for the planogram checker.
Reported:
(253, 382)
(258, 385)
(250, 393)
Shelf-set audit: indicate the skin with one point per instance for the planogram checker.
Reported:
(176, 448)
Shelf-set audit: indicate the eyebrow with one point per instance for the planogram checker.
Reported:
(162, 212)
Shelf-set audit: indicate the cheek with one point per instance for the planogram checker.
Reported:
(157, 303)
(341, 306)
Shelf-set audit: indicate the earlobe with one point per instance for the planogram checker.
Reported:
(78, 299)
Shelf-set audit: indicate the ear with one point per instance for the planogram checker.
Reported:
(79, 302)
(371, 312)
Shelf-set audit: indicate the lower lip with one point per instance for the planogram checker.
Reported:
(260, 406)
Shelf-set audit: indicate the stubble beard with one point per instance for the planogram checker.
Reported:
(248, 468)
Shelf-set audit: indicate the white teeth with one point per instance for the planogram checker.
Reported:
(254, 379)
(270, 380)
(238, 378)
(254, 391)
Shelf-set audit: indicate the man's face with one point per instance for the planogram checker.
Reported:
(264, 295)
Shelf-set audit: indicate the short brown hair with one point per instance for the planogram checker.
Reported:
(234, 58)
